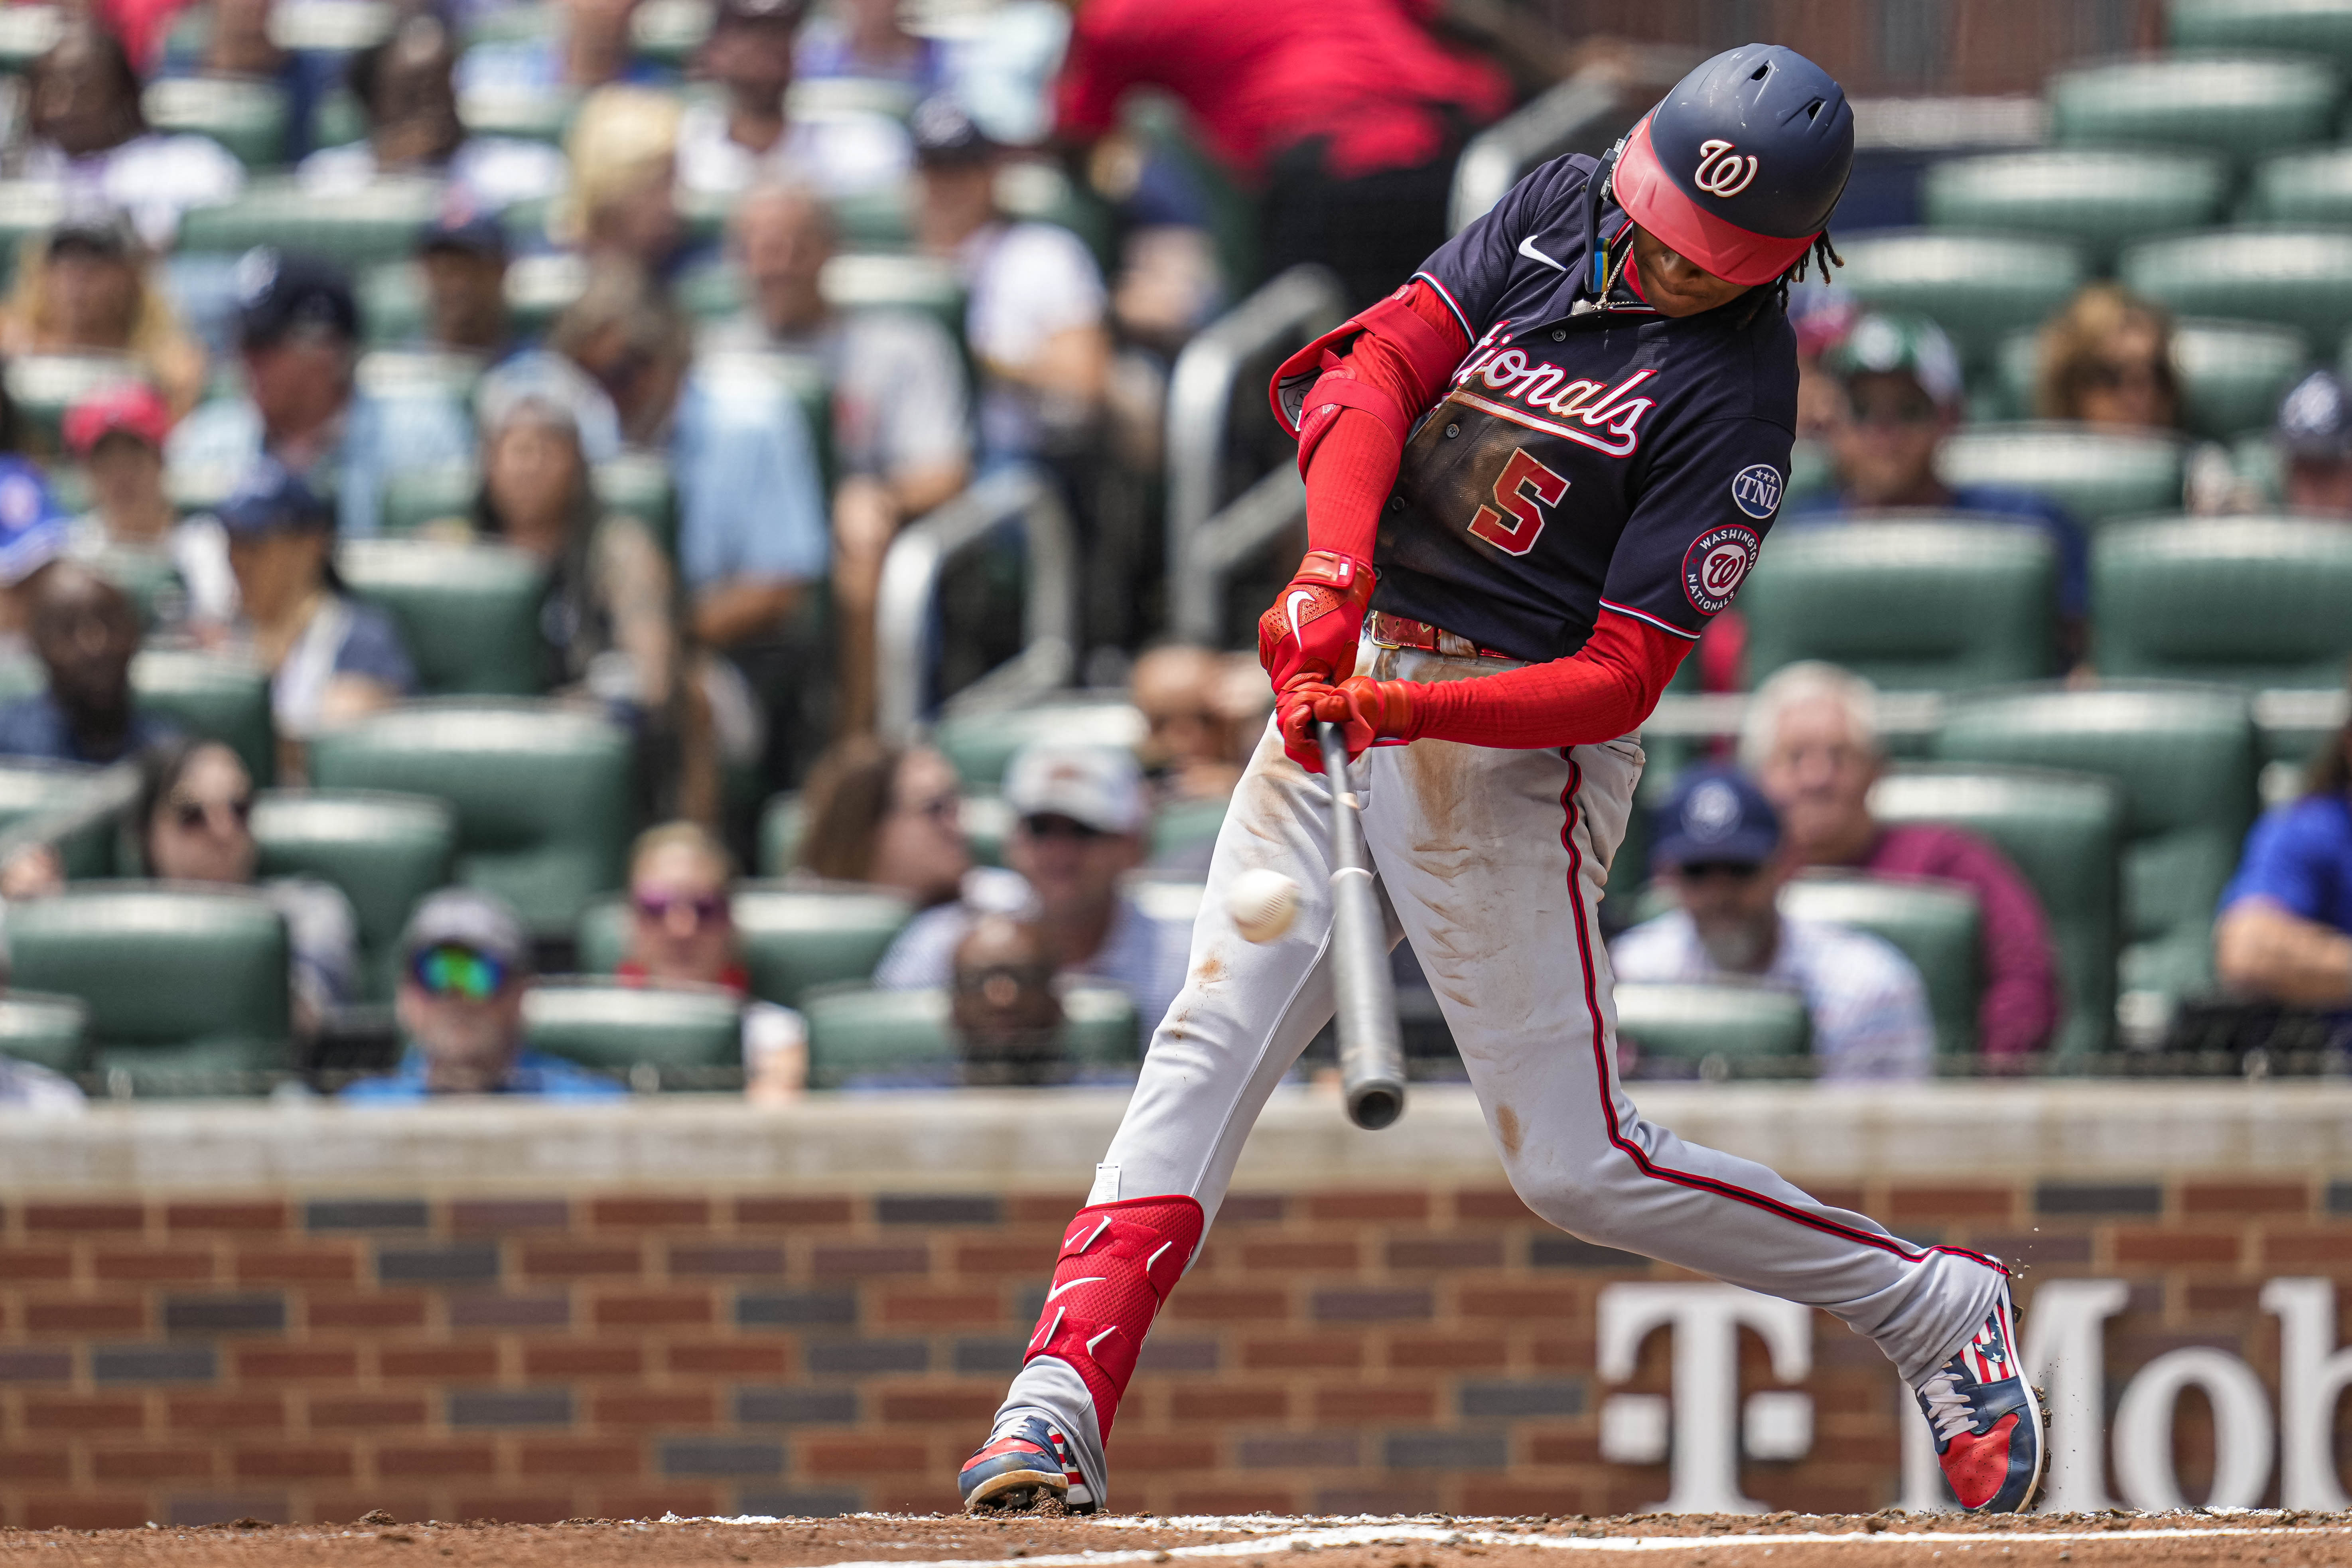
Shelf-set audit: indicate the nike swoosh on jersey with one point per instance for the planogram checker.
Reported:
(1528, 249)
(1290, 605)
(1074, 1284)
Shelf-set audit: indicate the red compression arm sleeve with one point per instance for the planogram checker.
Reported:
(1354, 464)
(1603, 690)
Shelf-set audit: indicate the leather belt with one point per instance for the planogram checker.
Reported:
(1395, 631)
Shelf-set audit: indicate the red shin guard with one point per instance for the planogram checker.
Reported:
(1117, 1265)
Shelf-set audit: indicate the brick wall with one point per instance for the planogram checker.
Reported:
(533, 1354)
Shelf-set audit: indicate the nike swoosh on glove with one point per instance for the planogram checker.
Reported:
(1314, 626)
(1369, 712)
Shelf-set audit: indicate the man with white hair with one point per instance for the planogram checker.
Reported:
(1811, 742)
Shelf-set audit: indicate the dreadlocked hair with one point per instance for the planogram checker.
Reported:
(1820, 256)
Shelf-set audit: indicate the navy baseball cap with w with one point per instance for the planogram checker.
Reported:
(1716, 816)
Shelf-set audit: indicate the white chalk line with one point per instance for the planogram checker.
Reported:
(1391, 1533)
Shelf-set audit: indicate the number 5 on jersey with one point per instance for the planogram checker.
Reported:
(1526, 487)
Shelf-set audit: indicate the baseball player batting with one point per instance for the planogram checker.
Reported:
(1533, 474)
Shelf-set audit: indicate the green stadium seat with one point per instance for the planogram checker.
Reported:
(528, 113)
(420, 373)
(47, 1031)
(413, 498)
(637, 484)
(354, 227)
(2064, 833)
(249, 118)
(213, 696)
(1727, 1021)
(2097, 198)
(27, 32)
(2241, 106)
(2294, 27)
(2096, 474)
(539, 287)
(385, 851)
(2299, 277)
(1910, 601)
(1936, 925)
(712, 292)
(882, 1034)
(877, 221)
(2256, 601)
(542, 792)
(45, 385)
(469, 612)
(31, 788)
(180, 984)
(793, 938)
(667, 32)
(2185, 758)
(27, 207)
(864, 281)
(1979, 287)
(616, 1029)
(2232, 374)
(1812, 472)
(2311, 188)
(982, 746)
(1184, 825)
(149, 576)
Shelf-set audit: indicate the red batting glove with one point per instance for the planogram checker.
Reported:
(1294, 716)
(1312, 629)
(1369, 712)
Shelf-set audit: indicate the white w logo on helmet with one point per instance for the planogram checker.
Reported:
(1718, 175)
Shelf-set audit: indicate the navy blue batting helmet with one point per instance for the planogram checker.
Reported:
(1737, 167)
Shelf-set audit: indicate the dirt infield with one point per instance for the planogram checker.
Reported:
(1654, 1541)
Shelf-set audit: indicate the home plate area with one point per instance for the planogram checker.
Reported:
(2290, 1540)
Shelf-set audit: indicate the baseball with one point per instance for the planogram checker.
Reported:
(1262, 902)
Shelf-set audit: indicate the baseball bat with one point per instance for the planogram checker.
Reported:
(1372, 1054)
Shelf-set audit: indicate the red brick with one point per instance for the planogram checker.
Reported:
(856, 1262)
(1324, 1349)
(1200, 1306)
(256, 1217)
(78, 1217)
(78, 1512)
(1446, 1351)
(1160, 1455)
(515, 1508)
(792, 1211)
(574, 1260)
(368, 1412)
(102, 1412)
(1564, 1447)
(1235, 1501)
(730, 1358)
(677, 1407)
(860, 1457)
(2245, 1197)
(175, 1264)
(688, 1499)
(1446, 1252)
(581, 1360)
(2171, 1247)
(1510, 1498)
(20, 1264)
(1286, 1257)
(1003, 1258)
(618, 1212)
(1537, 1303)
(2242, 1301)
(731, 1262)
(35, 1465)
(653, 1309)
(558, 1459)
(405, 1309)
(314, 1460)
(227, 1412)
(151, 1464)
(1056, 1208)
(297, 1362)
(970, 1309)
(1344, 1405)
(924, 1406)
(1347, 1206)
(80, 1319)
(2327, 1249)
(439, 1363)
(1252, 1402)
(1951, 1201)
(1490, 1203)
(327, 1264)
(455, 1459)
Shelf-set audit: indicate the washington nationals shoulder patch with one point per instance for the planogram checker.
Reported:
(1716, 564)
(1756, 491)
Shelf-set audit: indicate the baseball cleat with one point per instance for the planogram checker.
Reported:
(1986, 1418)
(1024, 1462)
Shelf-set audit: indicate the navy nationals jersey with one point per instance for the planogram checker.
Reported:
(1589, 453)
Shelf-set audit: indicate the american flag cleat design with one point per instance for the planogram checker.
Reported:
(1024, 1462)
(1987, 1418)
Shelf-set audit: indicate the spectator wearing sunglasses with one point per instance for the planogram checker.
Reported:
(1719, 848)
(466, 968)
(893, 816)
(1080, 815)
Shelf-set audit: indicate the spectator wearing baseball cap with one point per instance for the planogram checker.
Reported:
(748, 134)
(88, 288)
(463, 253)
(1080, 815)
(298, 328)
(1719, 848)
(1901, 380)
(32, 530)
(330, 657)
(117, 435)
(2313, 433)
(466, 967)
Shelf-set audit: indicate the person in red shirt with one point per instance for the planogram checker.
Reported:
(1811, 745)
(1345, 115)
(681, 921)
